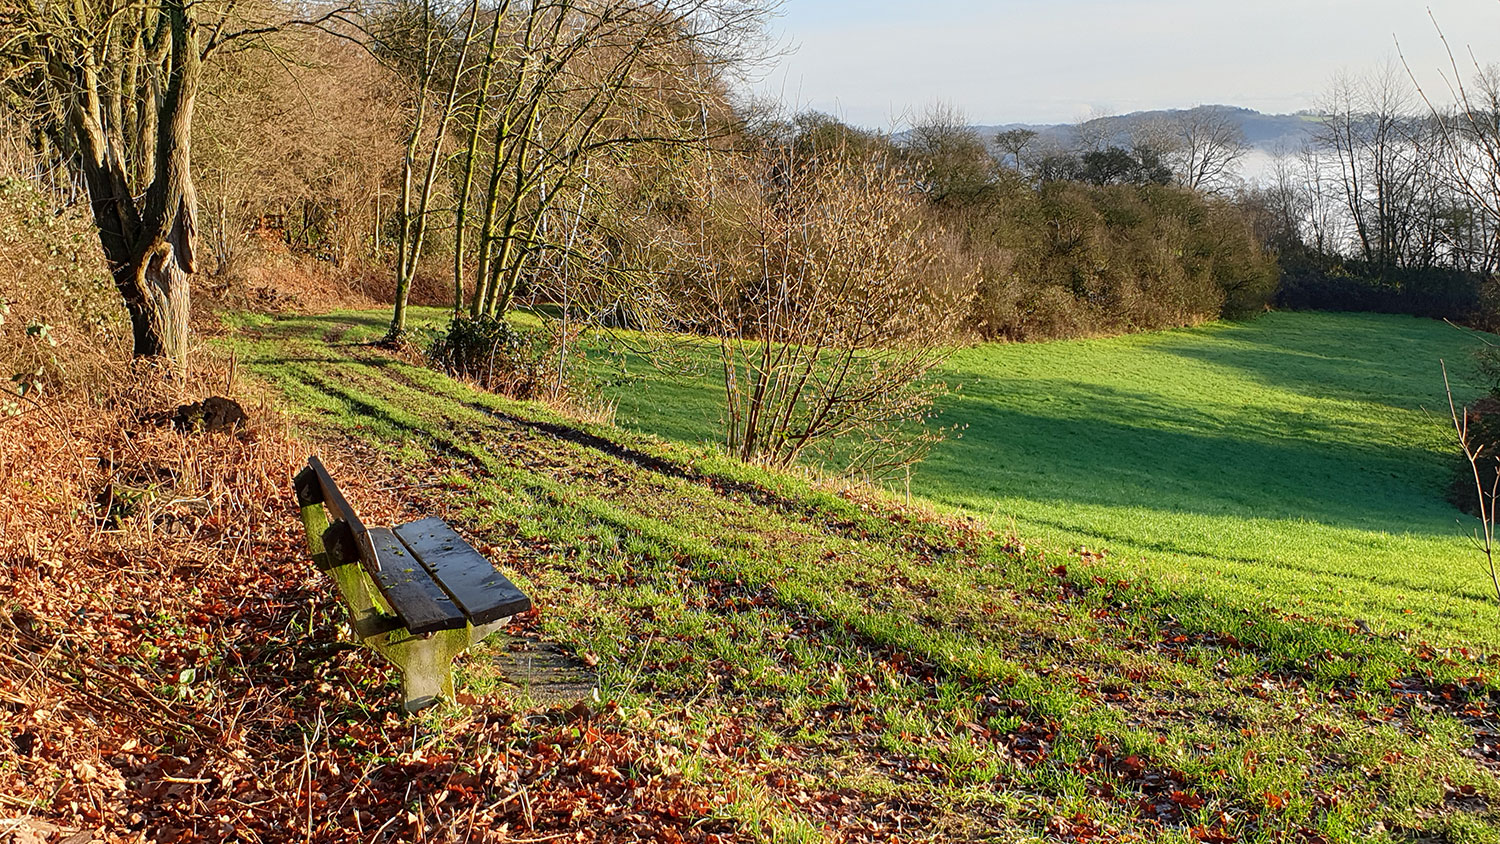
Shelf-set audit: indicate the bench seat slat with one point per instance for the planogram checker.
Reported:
(483, 593)
(409, 588)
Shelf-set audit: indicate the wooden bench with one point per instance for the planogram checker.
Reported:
(418, 594)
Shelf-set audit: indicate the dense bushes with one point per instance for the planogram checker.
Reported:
(1479, 431)
(1068, 243)
(1482, 420)
(1069, 259)
(493, 353)
(59, 313)
(1328, 283)
(1072, 243)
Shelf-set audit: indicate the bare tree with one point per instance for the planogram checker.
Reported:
(950, 157)
(1207, 147)
(516, 109)
(1320, 197)
(1287, 201)
(440, 61)
(1018, 144)
(589, 84)
(1467, 137)
(1381, 168)
(1096, 132)
(115, 84)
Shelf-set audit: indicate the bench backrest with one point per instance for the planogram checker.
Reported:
(430, 577)
(315, 486)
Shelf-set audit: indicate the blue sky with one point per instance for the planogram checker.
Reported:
(874, 63)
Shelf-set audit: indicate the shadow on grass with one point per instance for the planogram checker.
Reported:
(1372, 359)
(1115, 448)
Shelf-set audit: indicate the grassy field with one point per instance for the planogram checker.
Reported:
(829, 668)
(1299, 459)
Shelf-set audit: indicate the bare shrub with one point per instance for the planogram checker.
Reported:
(832, 298)
(1482, 469)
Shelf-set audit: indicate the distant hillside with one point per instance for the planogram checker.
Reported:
(1265, 132)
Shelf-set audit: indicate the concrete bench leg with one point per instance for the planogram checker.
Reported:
(426, 663)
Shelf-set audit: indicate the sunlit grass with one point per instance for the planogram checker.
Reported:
(785, 641)
(1298, 458)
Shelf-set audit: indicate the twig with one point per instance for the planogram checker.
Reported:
(1484, 538)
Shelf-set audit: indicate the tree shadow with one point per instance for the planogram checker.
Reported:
(1113, 448)
(1367, 358)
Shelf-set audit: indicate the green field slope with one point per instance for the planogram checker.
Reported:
(850, 669)
(1299, 459)
(1302, 458)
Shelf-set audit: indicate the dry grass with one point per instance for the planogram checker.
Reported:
(173, 669)
(108, 514)
(268, 277)
(114, 440)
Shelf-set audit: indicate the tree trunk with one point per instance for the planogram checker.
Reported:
(461, 208)
(159, 316)
(416, 231)
(148, 243)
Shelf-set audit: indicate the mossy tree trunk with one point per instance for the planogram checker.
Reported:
(129, 113)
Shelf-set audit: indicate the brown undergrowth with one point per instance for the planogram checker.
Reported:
(173, 669)
(268, 276)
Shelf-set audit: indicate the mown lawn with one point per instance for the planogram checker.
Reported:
(848, 669)
(1299, 459)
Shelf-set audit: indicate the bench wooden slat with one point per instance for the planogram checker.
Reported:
(409, 588)
(333, 500)
(479, 590)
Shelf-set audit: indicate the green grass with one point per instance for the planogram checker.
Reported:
(826, 662)
(1300, 458)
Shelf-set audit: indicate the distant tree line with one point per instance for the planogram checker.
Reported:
(1105, 234)
(1390, 205)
